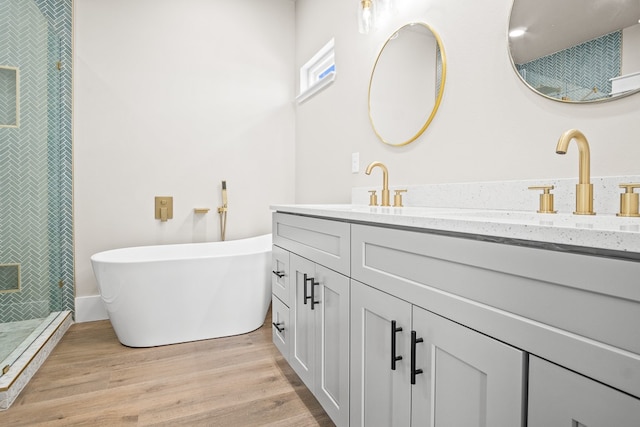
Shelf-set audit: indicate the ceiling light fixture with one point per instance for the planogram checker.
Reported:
(366, 16)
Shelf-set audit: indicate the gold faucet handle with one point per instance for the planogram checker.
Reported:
(397, 198)
(630, 186)
(373, 198)
(629, 200)
(546, 198)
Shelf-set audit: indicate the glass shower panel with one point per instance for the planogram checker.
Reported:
(54, 186)
(30, 180)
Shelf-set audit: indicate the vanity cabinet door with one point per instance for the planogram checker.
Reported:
(464, 378)
(559, 397)
(332, 344)
(302, 319)
(320, 334)
(380, 396)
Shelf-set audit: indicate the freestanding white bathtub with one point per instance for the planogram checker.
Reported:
(167, 294)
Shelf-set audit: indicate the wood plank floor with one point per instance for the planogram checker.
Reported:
(91, 379)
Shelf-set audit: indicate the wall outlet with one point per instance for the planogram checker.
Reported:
(355, 162)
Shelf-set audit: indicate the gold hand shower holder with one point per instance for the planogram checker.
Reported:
(222, 211)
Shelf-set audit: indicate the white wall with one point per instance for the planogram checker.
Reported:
(489, 125)
(170, 98)
(631, 50)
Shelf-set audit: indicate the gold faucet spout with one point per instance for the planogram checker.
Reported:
(584, 188)
(584, 176)
(385, 180)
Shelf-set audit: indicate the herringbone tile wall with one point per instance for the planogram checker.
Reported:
(576, 71)
(35, 159)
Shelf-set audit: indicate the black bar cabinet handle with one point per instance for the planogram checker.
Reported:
(277, 325)
(414, 371)
(313, 293)
(280, 274)
(304, 285)
(394, 358)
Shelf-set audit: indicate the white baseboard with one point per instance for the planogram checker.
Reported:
(89, 309)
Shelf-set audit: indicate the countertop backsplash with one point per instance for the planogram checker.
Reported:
(504, 195)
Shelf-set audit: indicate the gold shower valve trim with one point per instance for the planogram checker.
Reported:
(164, 208)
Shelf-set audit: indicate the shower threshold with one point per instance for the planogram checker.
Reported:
(32, 356)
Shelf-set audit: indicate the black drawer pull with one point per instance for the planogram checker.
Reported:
(279, 326)
(280, 274)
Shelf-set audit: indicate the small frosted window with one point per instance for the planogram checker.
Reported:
(9, 97)
(318, 73)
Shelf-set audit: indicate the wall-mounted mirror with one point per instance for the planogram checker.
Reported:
(407, 83)
(9, 96)
(577, 51)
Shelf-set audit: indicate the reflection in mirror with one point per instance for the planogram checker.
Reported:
(407, 83)
(577, 51)
(9, 96)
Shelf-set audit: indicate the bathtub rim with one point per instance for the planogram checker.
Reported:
(171, 254)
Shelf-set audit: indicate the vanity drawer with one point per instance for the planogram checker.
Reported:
(322, 241)
(594, 297)
(280, 326)
(559, 397)
(280, 273)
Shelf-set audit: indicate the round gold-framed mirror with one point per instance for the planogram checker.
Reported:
(407, 84)
(575, 51)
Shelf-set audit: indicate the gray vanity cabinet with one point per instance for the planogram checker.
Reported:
(444, 374)
(500, 333)
(318, 307)
(559, 397)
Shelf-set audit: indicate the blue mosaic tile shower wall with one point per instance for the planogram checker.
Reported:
(35, 159)
(583, 67)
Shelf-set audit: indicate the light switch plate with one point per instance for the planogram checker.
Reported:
(355, 162)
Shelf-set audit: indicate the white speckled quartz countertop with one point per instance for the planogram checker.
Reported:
(601, 234)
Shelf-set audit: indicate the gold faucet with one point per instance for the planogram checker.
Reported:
(385, 181)
(584, 188)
